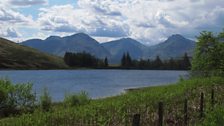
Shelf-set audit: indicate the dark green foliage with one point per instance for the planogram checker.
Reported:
(76, 99)
(126, 61)
(185, 63)
(106, 62)
(157, 64)
(171, 64)
(123, 60)
(15, 98)
(221, 52)
(45, 101)
(208, 56)
(82, 60)
(2, 96)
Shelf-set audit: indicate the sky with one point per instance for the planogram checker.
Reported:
(148, 21)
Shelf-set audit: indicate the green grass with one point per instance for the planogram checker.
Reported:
(15, 56)
(119, 110)
(215, 117)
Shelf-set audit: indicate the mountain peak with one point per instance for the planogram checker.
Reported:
(130, 39)
(53, 37)
(81, 34)
(176, 36)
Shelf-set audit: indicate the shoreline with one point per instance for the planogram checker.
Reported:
(85, 69)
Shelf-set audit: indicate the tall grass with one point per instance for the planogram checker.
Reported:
(76, 99)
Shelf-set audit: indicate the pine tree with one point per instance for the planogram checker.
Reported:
(128, 60)
(158, 63)
(123, 60)
(171, 64)
(186, 64)
(106, 62)
(67, 58)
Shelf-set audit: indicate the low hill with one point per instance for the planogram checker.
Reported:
(15, 56)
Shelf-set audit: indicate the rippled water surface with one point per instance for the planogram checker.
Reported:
(98, 83)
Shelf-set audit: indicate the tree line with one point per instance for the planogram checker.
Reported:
(87, 60)
(157, 64)
(84, 59)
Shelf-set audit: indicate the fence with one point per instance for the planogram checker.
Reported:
(177, 111)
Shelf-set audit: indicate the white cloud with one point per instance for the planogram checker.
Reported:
(149, 21)
(9, 32)
(106, 39)
(66, 18)
(27, 2)
(8, 15)
(11, 21)
(23, 3)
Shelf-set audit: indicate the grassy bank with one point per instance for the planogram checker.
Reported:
(119, 110)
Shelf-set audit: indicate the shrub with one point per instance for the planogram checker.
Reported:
(45, 101)
(77, 99)
(25, 97)
(16, 98)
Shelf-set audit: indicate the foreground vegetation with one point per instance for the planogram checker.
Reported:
(119, 110)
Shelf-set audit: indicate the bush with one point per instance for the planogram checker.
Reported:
(77, 99)
(25, 97)
(16, 98)
(45, 101)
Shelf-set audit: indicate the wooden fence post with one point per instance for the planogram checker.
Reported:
(126, 117)
(202, 105)
(160, 113)
(212, 99)
(185, 113)
(136, 120)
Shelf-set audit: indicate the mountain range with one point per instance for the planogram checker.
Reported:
(75, 43)
(175, 46)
